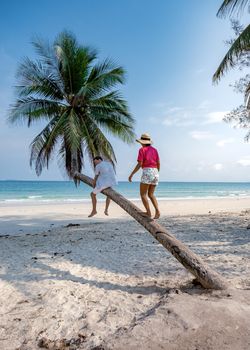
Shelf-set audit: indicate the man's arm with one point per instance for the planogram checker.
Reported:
(95, 179)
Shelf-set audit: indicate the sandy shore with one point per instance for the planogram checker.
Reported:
(107, 284)
(37, 217)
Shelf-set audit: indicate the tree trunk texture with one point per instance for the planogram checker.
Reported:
(193, 263)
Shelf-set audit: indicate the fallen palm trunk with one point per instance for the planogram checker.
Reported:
(194, 264)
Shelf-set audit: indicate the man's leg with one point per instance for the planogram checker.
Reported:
(144, 197)
(107, 205)
(94, 201)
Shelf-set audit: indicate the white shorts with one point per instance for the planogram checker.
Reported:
(150, 176)
(97, 190)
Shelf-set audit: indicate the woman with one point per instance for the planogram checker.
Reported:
(148, 159)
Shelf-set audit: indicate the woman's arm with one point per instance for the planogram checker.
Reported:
(158, 165)
(137, 167)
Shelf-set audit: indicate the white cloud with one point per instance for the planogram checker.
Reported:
(222, 143)
(218, 166)
(204, 104)
(179, 117)
(168, 122)
(215, 117)
(186, 116)
(176, 121)
(244, 162)
(201, 135)
(174, 109)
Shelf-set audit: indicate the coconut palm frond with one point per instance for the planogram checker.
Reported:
(104, 77)
(100, 143)
(240, 45)
(35, 78)
(111, 101)
(32, 109)
(46, 53)
(114, 124)
(65, 162)
(74, 61)
(42, 147)
(247, 96)
(231, 7)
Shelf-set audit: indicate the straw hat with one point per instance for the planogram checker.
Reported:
(145, 139)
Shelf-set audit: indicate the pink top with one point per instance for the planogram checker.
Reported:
(148, 156)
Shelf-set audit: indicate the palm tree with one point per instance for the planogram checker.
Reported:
(241, 44)
(74, 94)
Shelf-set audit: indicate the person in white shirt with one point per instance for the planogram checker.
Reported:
(104, 178)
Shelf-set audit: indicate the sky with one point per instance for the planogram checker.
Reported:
(170, 50)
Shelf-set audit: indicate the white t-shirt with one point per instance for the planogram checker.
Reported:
(106, 176)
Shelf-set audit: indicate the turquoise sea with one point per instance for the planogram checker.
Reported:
(65, 191)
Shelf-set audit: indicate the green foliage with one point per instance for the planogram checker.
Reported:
(240, 46)
(242, 43)
(230, 7)
(240, 118)
(75, 95)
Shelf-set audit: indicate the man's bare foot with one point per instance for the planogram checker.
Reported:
(157, 215)
(92, 214)
(145, 213)
(106, 212)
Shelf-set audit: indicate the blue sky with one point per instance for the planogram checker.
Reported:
(170, 50)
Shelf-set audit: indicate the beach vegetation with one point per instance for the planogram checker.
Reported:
(238, 56)
(241, 44)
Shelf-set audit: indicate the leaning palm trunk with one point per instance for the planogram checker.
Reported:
(194, 264)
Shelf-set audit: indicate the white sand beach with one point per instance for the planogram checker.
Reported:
(106, 283)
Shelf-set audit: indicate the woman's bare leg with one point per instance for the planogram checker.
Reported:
(94, 201)
(153, 199)
(144, 197)
(107, 206)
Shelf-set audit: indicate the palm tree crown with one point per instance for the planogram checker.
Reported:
(76, 96)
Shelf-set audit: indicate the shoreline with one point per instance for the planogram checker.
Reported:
(83, 201)
(31, 201)
(37, 217)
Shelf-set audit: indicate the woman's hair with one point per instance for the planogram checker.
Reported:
(98, 158)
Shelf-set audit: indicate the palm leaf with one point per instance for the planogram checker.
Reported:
(46, 53)
(230, 7)
(240, 45)
(247, 96)
(42, 147)
(102, 78)
(35, 78)
(101, 144)
(74, 61)
(33, 109)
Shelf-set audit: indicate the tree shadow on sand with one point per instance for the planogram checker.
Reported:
(117, 251)
(125, 249)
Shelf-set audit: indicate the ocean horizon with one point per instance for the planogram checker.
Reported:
(22, 191)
